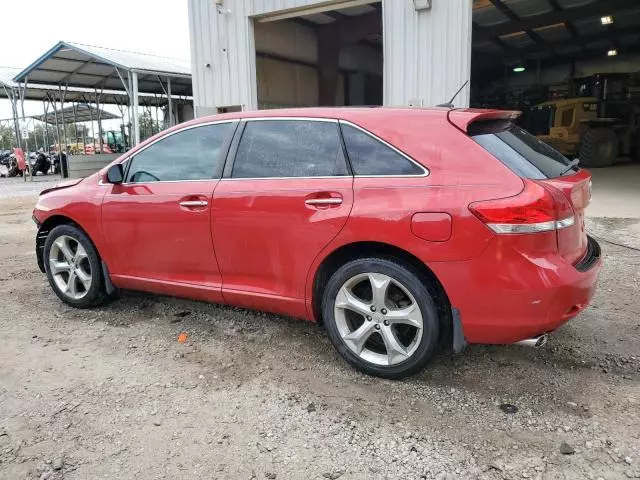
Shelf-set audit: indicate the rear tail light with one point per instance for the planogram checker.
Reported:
(538, 208)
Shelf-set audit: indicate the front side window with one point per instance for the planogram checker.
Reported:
(192, 154)
(289, 148)
(371, 157)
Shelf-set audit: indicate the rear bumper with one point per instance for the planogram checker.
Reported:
(506, 296)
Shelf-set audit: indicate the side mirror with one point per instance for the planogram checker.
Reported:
(115, 174)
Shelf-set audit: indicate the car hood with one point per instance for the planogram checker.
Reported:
(66, 184)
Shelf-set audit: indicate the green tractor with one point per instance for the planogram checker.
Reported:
(114, 141)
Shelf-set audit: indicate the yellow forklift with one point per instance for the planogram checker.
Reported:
(600, 124)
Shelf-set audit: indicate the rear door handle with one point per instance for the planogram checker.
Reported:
(194, 203)
(323, 201)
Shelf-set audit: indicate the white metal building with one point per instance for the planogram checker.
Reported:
(249, 54)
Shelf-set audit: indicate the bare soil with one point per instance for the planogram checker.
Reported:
(111, 393)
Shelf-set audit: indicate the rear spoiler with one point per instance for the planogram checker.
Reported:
(462, 118)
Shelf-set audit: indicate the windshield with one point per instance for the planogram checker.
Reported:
(524, 154)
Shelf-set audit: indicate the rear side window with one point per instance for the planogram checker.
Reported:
(289, 148)
(524, 154)
(369, 156)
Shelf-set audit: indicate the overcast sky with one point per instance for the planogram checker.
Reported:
(31, 27)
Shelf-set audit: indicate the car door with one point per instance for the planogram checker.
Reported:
(285, 194)
(157, 223)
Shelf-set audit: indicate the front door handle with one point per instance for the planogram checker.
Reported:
(194, 203)
(323, 201)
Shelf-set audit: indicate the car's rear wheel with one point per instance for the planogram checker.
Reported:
(381, 317)
(73, 267)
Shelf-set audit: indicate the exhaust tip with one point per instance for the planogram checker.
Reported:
(535, 342)
(542, 340)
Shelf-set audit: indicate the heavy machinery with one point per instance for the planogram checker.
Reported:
(115, 141)
(601, 123)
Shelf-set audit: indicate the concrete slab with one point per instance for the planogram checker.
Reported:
(616, 192)
(614, 213)
(17, 187)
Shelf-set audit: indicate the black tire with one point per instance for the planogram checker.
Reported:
(598, 148)
(95, 295)
(412, 280)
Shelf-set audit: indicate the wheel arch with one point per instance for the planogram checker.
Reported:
(49, 224)
(352, 251)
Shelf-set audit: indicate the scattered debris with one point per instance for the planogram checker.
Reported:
(58, 463)
(567, 449)
(333, 475)
(508, 408)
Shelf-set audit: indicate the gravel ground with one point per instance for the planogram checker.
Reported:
(111, 393)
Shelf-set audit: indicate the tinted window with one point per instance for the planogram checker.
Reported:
(193, 154)
(289, 148)
(524, 154)
(369, 156)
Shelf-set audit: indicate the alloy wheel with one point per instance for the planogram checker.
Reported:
(70, 267)
(378, 318)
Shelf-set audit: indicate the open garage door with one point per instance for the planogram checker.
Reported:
(320, 56)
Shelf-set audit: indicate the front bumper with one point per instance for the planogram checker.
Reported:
(41, 238)
(505, 296)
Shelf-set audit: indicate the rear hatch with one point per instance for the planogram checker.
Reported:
(539, 165)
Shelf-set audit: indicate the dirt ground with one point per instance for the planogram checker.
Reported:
(111, 393)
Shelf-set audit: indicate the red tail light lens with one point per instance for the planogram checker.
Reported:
(535, 209)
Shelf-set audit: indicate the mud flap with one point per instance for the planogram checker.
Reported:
(108, 286)
(459, 342)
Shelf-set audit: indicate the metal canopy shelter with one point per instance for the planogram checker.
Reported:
(77, 66)
(81, 112)
(107, 97)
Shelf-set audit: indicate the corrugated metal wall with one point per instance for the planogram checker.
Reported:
(222, 55)
(427, 54)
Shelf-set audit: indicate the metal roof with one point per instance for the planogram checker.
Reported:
(85, 66)
(514, 31)
(83, 113)
(552, 31)
(6, 78)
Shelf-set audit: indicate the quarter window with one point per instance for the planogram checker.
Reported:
(369, 156)
(289, 148)
(192, 154)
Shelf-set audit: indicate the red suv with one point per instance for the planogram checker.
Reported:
(402, 230)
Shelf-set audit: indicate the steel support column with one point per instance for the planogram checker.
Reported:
(134, 106)
(170, 102)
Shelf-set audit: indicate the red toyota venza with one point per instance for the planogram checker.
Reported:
(404, 231)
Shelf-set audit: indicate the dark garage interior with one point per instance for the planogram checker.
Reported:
(571, 66)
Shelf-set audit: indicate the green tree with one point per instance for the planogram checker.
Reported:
(36, 137)
(148, 125)
(7, 137)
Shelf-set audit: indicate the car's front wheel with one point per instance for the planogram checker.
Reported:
(381, 317)
(73, 267)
